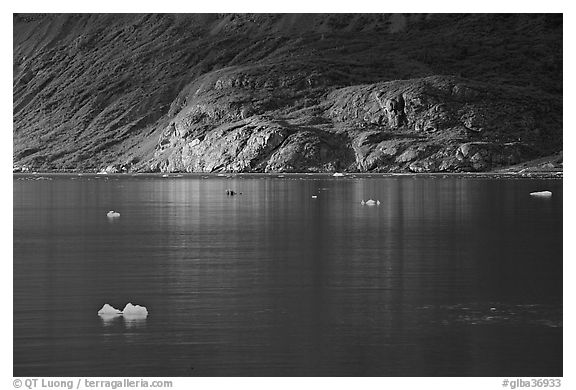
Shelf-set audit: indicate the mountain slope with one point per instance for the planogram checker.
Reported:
(286, 92)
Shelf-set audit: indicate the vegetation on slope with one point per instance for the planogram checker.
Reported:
(285, 92)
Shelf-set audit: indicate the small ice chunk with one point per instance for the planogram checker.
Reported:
(542, 194)
(371, 202)
(113, 214)
(134, 310)
(314, 196)
(108, 310)
(338, 174)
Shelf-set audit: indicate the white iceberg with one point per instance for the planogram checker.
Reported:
(338, 174)
(134, 310)
(113, 214)
(108, 310)
(130, 311)
(370, 202)
(542, 194)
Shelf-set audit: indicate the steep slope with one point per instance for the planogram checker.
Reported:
(421, 125)
(286, 92)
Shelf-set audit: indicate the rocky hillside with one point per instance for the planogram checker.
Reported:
(292, 93)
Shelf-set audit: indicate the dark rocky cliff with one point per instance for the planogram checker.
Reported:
(294, 93)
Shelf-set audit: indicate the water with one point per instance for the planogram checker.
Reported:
(447, 277)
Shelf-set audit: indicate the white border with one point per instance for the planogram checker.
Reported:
(419, 6)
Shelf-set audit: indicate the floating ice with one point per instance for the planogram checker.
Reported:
(542, 194)
(370, 202)
(338, 174)
(314, 196)
(134, 310)
(130, 310)
(108, 310)
(113, 214)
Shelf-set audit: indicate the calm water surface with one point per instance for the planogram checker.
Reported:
(447, 277)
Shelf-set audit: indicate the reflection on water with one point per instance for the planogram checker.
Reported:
(134, 320)
(447, 276)
(110, 319)
(130, 320)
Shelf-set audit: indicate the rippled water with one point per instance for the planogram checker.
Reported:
(446, 277)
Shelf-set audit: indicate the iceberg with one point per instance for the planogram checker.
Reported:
(541, 194)
(113, 214)
(134, 310)
(338, 174)
(370, 202)
(130, 310)
(108, 310)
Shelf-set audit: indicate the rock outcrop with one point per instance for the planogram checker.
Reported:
(434, 124)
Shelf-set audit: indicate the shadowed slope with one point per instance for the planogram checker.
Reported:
(285, 92)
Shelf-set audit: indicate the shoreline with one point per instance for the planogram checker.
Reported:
(494, 175)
